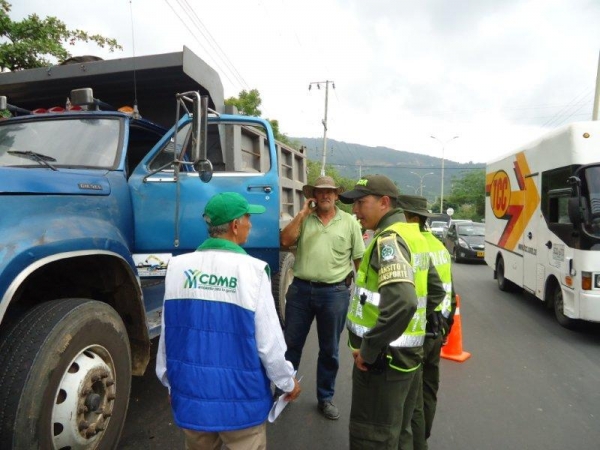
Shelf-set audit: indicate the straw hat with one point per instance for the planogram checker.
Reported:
(324, 182)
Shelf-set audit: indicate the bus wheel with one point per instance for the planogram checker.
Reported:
(559, 306)
(503, 284)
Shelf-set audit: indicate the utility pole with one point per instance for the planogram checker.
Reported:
(421, 181)
(324, 121)
(443, 149)
(597, 95)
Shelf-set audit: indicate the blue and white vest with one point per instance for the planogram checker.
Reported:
(217, 380)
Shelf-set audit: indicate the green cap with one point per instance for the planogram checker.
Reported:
(227, 206)
(371, 185)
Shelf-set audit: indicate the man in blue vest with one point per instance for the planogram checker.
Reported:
(221, 344)
(386, 318)
(439, 316)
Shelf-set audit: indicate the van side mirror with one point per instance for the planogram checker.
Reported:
(578, 210)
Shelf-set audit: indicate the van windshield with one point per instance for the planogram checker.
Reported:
(76, 142)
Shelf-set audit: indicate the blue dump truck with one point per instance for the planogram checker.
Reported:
(105, 168)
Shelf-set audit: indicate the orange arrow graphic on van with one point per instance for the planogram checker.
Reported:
(516, 206)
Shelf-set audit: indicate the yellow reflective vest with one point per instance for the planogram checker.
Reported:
(364, 307)
(440, 258)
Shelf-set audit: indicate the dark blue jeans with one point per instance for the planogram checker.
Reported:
(329, 304)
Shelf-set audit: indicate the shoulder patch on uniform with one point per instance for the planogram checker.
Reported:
(394, 268)
(387, 252)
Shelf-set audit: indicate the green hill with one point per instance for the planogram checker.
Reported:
(354, 160)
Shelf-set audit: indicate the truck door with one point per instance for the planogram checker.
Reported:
(168, 213)
(531, 216)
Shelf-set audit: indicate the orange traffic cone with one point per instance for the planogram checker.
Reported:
(453, 349)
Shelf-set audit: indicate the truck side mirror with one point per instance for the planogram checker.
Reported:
(3, 103)
(200, 112)
(205, 170)
(199, 137)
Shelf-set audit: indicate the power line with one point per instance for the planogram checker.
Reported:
(211, 40)
(195, 36)
(402, 166)
(576, 101)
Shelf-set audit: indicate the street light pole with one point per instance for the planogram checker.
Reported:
(421, 181)
(443, 149)
(324, 121)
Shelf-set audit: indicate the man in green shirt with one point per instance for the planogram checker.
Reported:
(329, 246)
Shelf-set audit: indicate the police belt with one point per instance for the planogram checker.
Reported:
(318, 284)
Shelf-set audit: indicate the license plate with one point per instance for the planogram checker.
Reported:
(480, 254)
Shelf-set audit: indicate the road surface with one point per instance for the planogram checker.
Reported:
(529, 384)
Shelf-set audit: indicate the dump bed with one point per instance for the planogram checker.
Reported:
(153, 79)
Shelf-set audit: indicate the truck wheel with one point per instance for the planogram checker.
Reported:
(281, 282)
(558, 304)
(503, 284)
(65, 377)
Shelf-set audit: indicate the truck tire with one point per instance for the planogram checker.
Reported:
(558, 306)
(503, 284)
(281, 282)
(65, 377)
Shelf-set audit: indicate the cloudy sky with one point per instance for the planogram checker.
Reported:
(495, 73)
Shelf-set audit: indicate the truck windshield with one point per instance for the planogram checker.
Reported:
(64, 142)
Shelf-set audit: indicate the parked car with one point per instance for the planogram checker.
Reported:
(437, 228)
(465, 241)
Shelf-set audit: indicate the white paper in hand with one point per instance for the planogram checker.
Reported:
(279, 405)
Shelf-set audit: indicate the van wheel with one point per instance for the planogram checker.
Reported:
(559, 307)
(503, 284)
(281, 282)
(65, 377)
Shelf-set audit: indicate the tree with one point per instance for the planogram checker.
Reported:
(33, 41)
(247, 102)
(468, 195)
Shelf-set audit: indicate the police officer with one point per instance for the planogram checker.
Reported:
(386, 318)
(439, 316)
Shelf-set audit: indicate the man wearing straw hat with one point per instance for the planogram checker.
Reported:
(439, 317)
(329, 246)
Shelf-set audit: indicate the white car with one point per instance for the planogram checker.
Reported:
(438, 228)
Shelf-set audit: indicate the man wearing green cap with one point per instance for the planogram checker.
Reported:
(221, 344)
(386, 318)
(439, 321)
